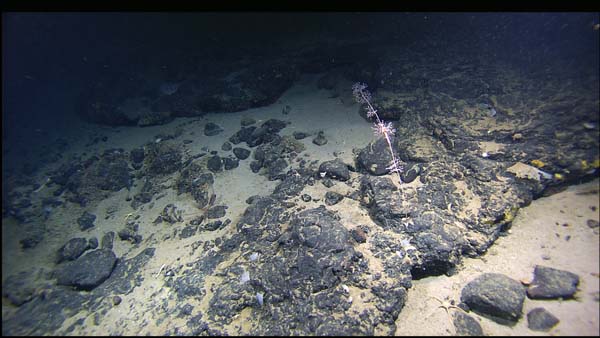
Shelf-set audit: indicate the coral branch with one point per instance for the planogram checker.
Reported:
(381, 128)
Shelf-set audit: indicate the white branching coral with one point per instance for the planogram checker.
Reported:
(381, 128)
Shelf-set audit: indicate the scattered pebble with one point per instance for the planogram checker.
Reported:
(592, 223)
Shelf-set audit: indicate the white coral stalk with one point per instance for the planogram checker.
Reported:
(362, 95)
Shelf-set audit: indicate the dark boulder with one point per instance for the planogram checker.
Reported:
(241, 153)
(549, 283)
(410, 172)
(335, 169)
(466, 325)
(230, 163)
(137, 155)
(217, 211)
(495, 295)
(332, 197)
(162, 159)
(88, 271)
(215, 164)
(74, 248)
(539, 319)
(86, 221)
(375, 157)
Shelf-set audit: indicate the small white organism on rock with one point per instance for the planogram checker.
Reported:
(244, 277)
(254, 256)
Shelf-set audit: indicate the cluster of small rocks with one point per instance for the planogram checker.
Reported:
(501, 298)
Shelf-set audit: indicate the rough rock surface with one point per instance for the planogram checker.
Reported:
(539, 319)
(86, 221)
(47, 311)
(466, 325)
(487, 137)
(496, 296)
(335, 169)
(302, 287)
(88, 271)
(550, 283)
(72, 249)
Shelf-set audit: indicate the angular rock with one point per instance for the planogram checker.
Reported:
(549, 283)
(246, 121)
(335, 169)
(92, 243)
(539, 319)
(188, 231)
(215, 164)
(86, 221)
(410, 172)
(230, 163)
(212, 129)
(88, 271)
(496, 296)
(255, 166)
(299, 135)
(332, 197)
(129, 233)
(466, 325)
(359, 235)
(274, 125)
(72, 250)
(375, 157)
(153, 118)
(242, 135)
(212, 226)
(107, 240)
(216, 211)
(137, 155)
(241, 153)
(162, 159)
(110, 173)
(320, 139)
(226, 146)
(170, 214)
(290, 186)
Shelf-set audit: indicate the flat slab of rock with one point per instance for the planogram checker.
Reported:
(549, 283)
(496, 296)
(87, 271)
(539, 319)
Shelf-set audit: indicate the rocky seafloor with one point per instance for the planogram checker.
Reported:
(478, 141)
